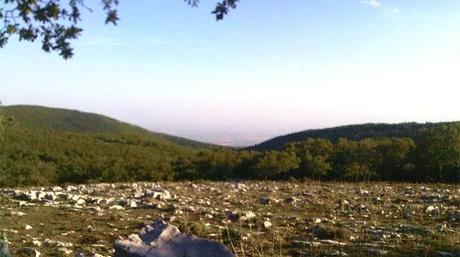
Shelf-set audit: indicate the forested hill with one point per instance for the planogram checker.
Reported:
(45, 146)
(352, 132)
(65, 120)
(42, 146)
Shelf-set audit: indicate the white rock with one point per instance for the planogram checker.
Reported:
(132, 204)
(18, 213)
(163, 240)
(332, 242)
(267, 224)
(65, 250)
(248, 215)
(57, 189)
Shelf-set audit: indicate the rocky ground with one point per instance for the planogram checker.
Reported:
(250, 218)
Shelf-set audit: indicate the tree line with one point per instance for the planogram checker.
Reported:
(433, 157)
(45, 157)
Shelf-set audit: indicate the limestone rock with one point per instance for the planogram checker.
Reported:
(267, 224)
(162, 240)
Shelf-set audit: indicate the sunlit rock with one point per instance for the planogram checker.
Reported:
(162, 240)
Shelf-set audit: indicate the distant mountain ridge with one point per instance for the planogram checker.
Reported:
(353, 132)
(41, 117)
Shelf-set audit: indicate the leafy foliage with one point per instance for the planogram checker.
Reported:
(314, 155)
(55, 24)
(223, 7)
(273, 163)
(438, 154)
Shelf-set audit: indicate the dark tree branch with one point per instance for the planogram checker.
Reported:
(56, 24)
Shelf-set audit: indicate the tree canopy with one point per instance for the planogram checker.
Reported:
(84, 148)
(56, 24)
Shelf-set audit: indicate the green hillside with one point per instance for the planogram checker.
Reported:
(41, 145)
(45, 146)
(40, 117)
(352, 132)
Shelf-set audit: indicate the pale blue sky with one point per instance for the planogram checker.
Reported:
(271, 67)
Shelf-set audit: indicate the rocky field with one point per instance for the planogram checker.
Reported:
(250, 218)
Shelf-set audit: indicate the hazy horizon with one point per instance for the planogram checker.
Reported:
(267, 69)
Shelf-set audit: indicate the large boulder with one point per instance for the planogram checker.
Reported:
(162, 240)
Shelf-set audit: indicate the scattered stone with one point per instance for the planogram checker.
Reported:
(64, 250)
(345, 213)
(36, 243)
(248, 215)
(159, 195)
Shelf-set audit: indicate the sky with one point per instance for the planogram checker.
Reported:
(269, 68)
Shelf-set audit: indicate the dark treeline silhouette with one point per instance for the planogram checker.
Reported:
(353, 132)
(40, 154)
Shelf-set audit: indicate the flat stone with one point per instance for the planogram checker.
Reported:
(332, 242)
